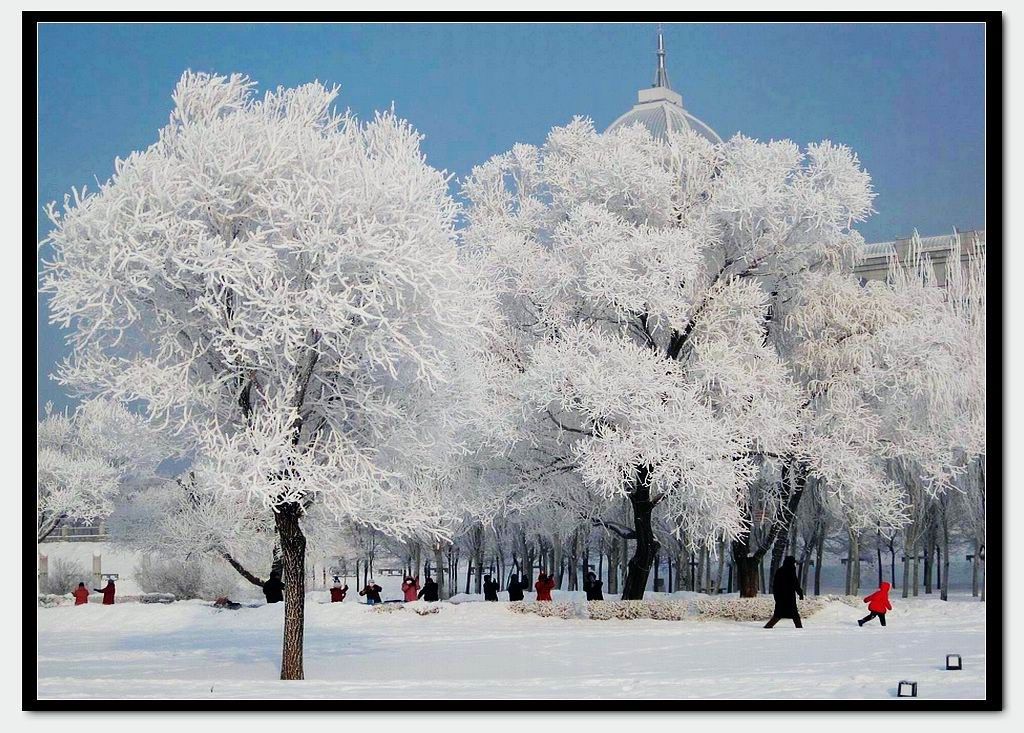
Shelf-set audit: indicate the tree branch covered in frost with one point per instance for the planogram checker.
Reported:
(85, 459)
(639, 281)
(279, 284)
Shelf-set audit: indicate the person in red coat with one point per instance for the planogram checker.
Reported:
(410, 588)
(338, 594)
(544, 586)
(81, 594)
(108, 593)
(878, 604)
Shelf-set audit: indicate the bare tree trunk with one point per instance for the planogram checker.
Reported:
(647, 545)
(819, 558)
(975, 562)
(721, 566)
(878, 551)
(293, 551)
(855, 579)
(914, 577)
(929, 556)
(613, 566)
(439, 571)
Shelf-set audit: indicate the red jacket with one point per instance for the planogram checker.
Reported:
(410, 589)
(81, 596)
(108, 593)
(879, 600)
(338, 594)
(544, 588)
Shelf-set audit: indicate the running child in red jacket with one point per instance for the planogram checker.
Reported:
(878, 604)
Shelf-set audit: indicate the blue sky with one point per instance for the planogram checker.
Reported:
(908, 98)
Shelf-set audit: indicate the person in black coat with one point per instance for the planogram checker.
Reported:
(429, 590)
(273, 588)
(372, 593)
(785, 588)
(490, 589)
(593, 587)
(515, 588)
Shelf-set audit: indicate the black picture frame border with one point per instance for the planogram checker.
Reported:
(994, 178)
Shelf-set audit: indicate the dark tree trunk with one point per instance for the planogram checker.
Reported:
(646, 543)
(746, 571)
(818, 559)
(293, 555)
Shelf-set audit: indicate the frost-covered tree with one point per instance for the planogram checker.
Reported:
(639, 280)
(86, 458)
(279, 284)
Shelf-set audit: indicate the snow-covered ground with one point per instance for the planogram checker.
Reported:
(189, 650)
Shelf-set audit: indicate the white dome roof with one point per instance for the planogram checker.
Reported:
(660, 109)
(661, 115)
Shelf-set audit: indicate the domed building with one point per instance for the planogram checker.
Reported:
(660, 109)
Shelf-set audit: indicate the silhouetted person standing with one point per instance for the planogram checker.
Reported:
(429, 591)
(273, 588)
(490, 589)
(785, 588)
(593, 587)
(515, 588)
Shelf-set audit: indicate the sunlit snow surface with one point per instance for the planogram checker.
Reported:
(189, 650)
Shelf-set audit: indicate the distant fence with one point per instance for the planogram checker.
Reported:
(94, 533)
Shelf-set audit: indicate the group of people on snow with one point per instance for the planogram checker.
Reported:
(81, 593)
(786, 588)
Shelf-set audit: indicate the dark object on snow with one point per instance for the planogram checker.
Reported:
(490, 589)
(224, 602)
(273, 589)
(429, 592)
(515, 589)
(544, 586)
(108, 593)
(372, 593)
(906, 689)
(593, 587)
(953, 661)
(338, 594)
(785, 588)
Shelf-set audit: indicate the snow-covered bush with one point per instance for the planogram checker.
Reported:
(606, 610)
(62, 577)
(157, 598)
(188, 579)
(851, 601)
(628, 610)
(426, 609)
(751, 609)
(386, 608)
(546, 609)
(49, 600)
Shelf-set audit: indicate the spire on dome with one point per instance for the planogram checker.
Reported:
(661, 75)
